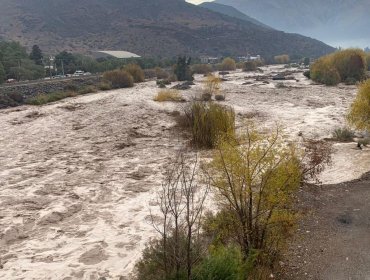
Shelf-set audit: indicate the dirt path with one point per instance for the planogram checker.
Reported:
(333, 241)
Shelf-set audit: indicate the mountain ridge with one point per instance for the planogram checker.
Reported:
(158, 28)
(330, 21)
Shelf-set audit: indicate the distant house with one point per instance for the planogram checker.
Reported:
(249, 58)
(209, 60)
(115, 54)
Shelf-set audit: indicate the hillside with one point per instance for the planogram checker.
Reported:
(231, 11)
(341, 22)
(153, 28)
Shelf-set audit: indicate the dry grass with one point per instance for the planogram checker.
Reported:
(168, 95)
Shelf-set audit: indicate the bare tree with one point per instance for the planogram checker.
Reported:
(181, 200)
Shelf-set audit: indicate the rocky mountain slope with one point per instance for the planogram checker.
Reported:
(153, 28)
(337, 22)
(231, 11)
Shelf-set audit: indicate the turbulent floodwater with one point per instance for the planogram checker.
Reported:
(78, 177)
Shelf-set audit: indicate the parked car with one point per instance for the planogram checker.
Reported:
(78, 73)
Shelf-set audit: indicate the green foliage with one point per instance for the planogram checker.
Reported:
(209, 122)
(228, 64)
(2, 73)
(16, 62)
(119, 79)
(201, 69)
(87, 89)
(45, 98)
(282, 59)
(250, 66)
(359, 115)
(307, 74)
(340, 66)
(11, 100)
(223, 263)
(306, 61)
(36, 55)
(255, 179)
(136, 72)
(325, 73)
(182, 69)
(343, 134)
(104, 86)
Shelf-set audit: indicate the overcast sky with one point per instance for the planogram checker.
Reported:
(197, 1)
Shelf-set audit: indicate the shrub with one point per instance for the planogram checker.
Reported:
(228, 64)
(343, 134)
(150, 73)
(136, 72)
(324, 73)
(45, 98)
(87, 89)
(201, 68)
(224, 263)
(368, 61)
(347, 64)
(359, 115)
(350, 81)
(220, 97)
(168, 95)
(282, 59)
(104, 86)
(350, 63)
(307, 74)
(11, 99)
(119, 79)
(212, 85)
(161, 73)
(209, 122)
(250, 66)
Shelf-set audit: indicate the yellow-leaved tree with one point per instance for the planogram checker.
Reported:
(359, 115)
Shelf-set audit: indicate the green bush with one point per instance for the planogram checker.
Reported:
(324, 73)
(104, 86)
(209, 122)
(224, 263)
(11, 99)
(307, 74)
(87, 89)
(347, 64)
(136, 72)
(250, 66)
(343, 134)
(119, 79)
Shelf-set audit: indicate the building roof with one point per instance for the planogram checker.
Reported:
(118, 54)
